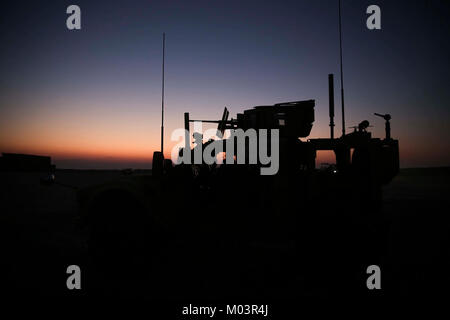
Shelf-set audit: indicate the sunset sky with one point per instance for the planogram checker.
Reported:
(91, 98)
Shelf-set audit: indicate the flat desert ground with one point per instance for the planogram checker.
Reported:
(40, 235)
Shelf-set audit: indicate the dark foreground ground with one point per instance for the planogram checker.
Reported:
(40, 237)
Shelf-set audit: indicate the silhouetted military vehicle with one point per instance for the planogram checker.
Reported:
(224, 230)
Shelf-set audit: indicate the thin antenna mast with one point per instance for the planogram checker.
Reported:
(342, 71)
(162, 95)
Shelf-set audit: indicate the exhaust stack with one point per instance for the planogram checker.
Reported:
(331, 103)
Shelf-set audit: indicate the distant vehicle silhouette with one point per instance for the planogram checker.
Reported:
(48, 179)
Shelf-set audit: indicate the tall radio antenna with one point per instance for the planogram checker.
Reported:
(162, 94)
(342, 71)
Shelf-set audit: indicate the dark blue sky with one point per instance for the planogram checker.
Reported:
(94, 94)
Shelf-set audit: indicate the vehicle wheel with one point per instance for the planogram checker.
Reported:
(119, 245)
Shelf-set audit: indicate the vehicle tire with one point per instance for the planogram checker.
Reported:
(119, 245)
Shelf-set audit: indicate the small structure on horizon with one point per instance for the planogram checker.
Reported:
(25, 162)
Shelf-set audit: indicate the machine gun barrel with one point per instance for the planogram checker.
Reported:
(207, 121)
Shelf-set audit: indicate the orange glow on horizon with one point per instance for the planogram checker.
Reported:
(107, 134)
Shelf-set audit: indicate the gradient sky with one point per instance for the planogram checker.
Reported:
(91, 98)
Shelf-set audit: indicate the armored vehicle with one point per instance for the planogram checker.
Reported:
(207, 230)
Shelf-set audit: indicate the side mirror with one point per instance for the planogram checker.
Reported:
(48, 180)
